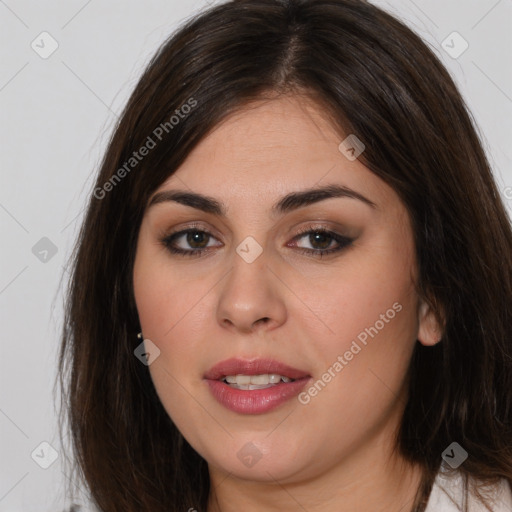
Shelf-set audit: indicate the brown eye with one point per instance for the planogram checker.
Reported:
(189, 242)
(197, 239)
(323, 242)
(320, 240)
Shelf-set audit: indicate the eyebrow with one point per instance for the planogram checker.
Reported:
(288, 203)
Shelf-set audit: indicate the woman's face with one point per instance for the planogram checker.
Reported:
(341, 326)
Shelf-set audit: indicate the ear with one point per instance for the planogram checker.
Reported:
(430, 331)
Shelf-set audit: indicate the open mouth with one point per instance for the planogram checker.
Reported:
(251, 382)
(254, 386)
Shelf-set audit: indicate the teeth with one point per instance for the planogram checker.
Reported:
(255, 381)
(261, 380)
(243, 379)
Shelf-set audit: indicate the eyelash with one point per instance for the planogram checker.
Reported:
(343, 241)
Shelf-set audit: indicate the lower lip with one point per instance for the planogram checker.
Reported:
(256, 401)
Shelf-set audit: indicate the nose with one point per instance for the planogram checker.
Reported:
(250, 297)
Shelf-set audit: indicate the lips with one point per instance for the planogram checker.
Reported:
(254, 401)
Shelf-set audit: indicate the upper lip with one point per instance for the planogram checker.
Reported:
(237, 366)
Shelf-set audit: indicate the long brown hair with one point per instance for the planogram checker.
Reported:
(374, 78)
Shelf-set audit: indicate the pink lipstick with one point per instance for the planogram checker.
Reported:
(254, 386)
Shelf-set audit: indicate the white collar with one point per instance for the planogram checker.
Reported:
(447, 496)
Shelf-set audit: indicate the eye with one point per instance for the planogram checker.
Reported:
(322, 241)
(188, 242)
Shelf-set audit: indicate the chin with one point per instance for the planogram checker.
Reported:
(262, 461)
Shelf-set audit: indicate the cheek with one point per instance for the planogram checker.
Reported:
(175, 312)
(171, 310)
(371, 297)
(164, 295)
(364, 354)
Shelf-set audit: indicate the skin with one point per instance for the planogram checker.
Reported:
(335, 453)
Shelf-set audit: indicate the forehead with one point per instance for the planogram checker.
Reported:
(270, 148)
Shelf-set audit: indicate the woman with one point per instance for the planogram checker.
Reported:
(292, 289)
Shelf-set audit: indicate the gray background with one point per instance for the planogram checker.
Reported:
(57, 115)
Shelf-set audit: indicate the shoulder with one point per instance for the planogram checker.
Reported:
(448, 495)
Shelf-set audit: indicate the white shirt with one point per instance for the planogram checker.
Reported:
(447, 496)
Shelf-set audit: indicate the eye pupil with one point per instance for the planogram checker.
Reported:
(197, 237)
(318, 236)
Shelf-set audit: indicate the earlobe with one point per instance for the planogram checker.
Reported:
(429, 329)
